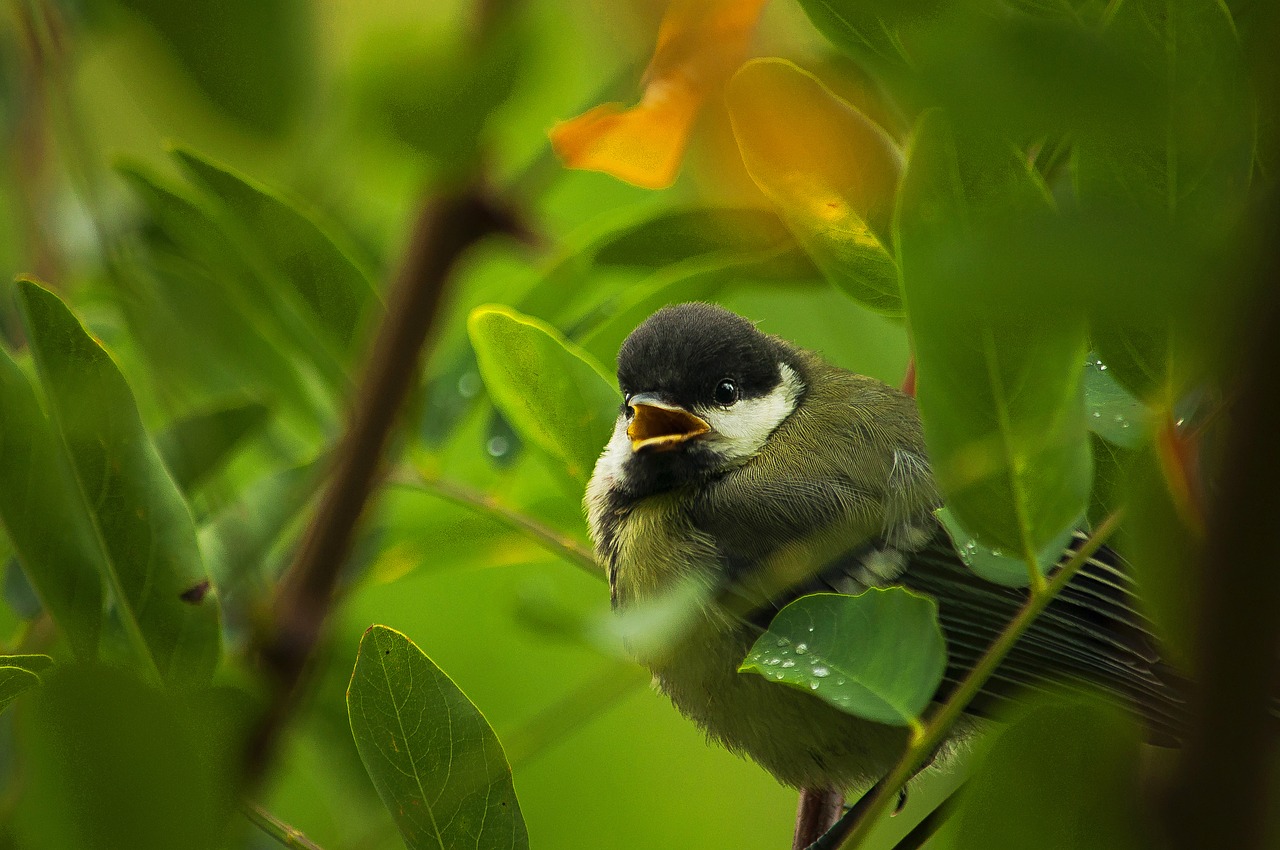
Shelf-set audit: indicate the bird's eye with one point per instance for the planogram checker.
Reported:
(726, 393)
(627, 410)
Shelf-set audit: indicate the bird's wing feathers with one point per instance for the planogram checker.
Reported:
(874, 499)
(1092, 632)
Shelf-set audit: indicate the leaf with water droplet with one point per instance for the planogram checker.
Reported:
(1113, 410)
(992, 564)
(553, 394)
(885, 645)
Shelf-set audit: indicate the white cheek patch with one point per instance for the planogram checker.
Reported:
(740, 431)
(609, 470)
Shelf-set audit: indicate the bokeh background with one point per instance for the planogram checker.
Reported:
(356, 111)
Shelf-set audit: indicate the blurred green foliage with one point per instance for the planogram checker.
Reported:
(215, 197)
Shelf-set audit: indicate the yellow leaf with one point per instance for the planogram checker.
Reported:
(809, 151)
(700, 43)
(831, 172)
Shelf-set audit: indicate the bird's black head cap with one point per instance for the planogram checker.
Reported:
(682, 353)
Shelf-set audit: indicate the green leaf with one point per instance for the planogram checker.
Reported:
(1175, 185)
(435, 761)
(1032, 77)
(1114, 413)
(872, 32)
(552, 392)
(1064, 775)
(231, 47)
(999, 340)
(830, 171)
(676, 235)
(20, 673)
(117, 763)
(1110, 477)
(327, 281)
(197, 445)
(14, 682)
(143, 527)
(44, 516)
(243, 325)
(34, 663)
(993, 564)
(879, 655)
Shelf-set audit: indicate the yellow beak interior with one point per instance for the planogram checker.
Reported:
(661, 429)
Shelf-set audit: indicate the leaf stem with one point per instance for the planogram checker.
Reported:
(286, 835)
(489, 505)
(935, 731)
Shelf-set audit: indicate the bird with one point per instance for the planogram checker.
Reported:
(734, 452)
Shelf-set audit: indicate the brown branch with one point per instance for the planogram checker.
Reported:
(817, 811)
(1222, 795)
(445, 228)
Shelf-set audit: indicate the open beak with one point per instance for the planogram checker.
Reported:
(658, 427)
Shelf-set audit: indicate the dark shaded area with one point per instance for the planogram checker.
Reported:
(1223, 795)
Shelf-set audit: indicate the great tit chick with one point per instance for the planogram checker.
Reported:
(760, 472)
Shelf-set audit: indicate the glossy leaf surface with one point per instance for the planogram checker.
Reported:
(993, 564)
(437, 765)
(879, 655)
(830, 171)
(552, 393)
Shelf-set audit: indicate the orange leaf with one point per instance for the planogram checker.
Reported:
(811, 152)
(831, 172)
(700, 43)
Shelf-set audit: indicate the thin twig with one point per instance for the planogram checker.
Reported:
(930, 823)
(444, 229)
(286, 835)
(935, 731)
(554, 541)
